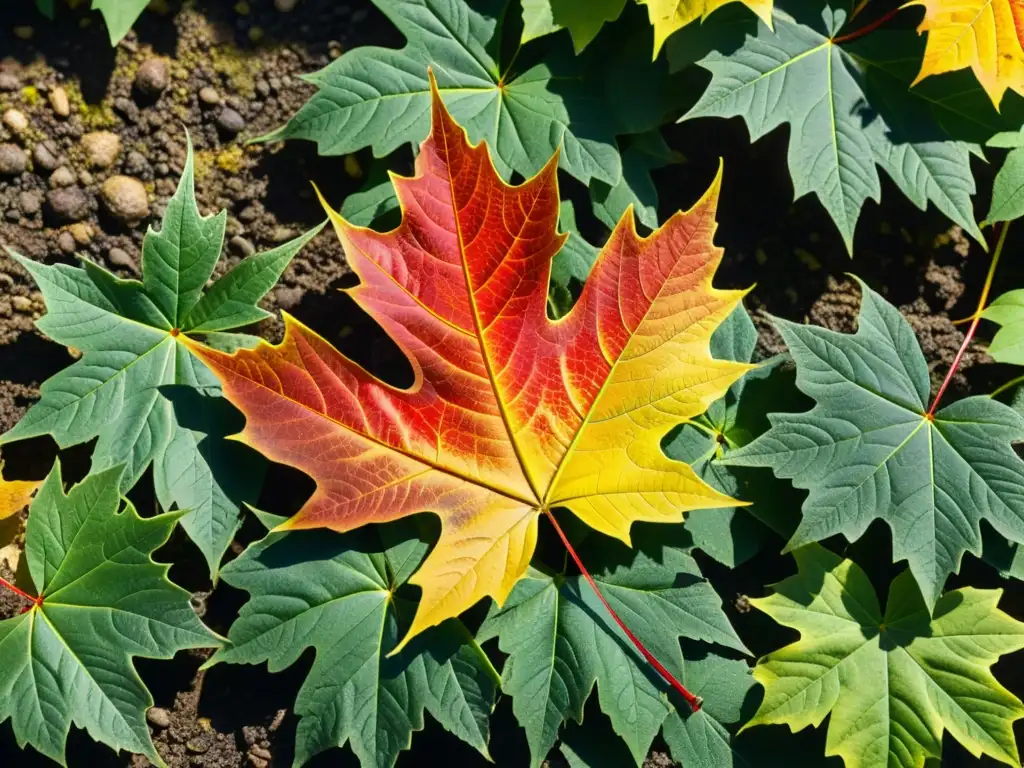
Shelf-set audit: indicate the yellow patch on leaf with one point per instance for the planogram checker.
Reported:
(15, 495)
(668, 16)
(985, 35)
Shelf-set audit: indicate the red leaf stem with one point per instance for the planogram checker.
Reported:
(867, 27)
(694, 702)
(975, 319)
(34, 600)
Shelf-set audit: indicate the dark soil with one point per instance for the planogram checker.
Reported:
(241, 716)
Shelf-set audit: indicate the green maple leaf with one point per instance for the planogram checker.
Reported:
(343, 595)
(645, 152)
(850, 109)
(137, 388)
(733, 535)
(891, 682)
(119, 15)
(104, 601)
(380, 97)
(868, 450)
(1008, 312)
(561, 641)
(1008, 188)
(583, 20)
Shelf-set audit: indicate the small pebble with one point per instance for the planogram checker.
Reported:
(250, 213)
(85, 178)
(30, 203)
(12, 215)
(125, 198)
(13, 160)
(263, 88)
(121, 258)
(241, 246)
(285, 6)
(66, 242)
(136, 163)
(68, 204)
(152, 77)
(82, 233)
(101, 148)
(9, 81)
(15, 120)
(209, 96)
(59, 101)
(282, 234)
(62, 177)
(45, 155)
(257, 762)
(157, 716)
(260, 752)
(24, 32)
(230, 121)
(21, 304)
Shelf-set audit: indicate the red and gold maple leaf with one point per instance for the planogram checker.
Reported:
(510, 414)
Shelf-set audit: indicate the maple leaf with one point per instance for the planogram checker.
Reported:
(102, 601)
(511, 414)
(343, 595)
(734, 535)
(119, 15)
(561, 642)
(892, 682)
(985, 35)
(584, 21)
(669, 16)
(870, 449)
(849, 110)
(1008, 187)
(1007, 311)
(15, 495)
(136, 388)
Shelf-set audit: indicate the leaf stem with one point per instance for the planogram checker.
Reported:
(694, 702)
(975, 319)
(867, 27)
(1006, 386)
(34, 600)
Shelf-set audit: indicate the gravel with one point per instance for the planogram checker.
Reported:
(125, 198)
(152, 77)
(68, 204)
(101, 148)
(209, 97)
(62, 177)
(230, 121)
(59, 101)
(13, 160)
(15, 120)
(46, 155)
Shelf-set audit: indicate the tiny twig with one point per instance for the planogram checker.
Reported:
(694, 702)
(975, 319)
(867, 27)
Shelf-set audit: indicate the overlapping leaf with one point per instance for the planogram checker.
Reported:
(104, 601)
(985, 35)
(734, 535)
(891, 682)
(137, 388)
(560, 642)
(510, 414)
(849, 110)
(15, 495)
(343, 596)
(669, 16)
(1007, 311)
(119, 15)
(380, 97)
(870, 450)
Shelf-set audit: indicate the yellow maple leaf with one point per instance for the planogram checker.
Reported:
(668, 16)
(985, 35)
(15, 495)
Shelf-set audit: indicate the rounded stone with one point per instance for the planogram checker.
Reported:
(15, 120)
(152, 77)
(230, 121)
(241, 247)
(66, 242)
(101, 148)
(209, 97)
(285, 6)
(62, 177)
(13, 160)
(125, 198)
(82, 233)
(59, 101)
(159, 717)
(68, 204)
(120, 258)
(30, 203)
(9, 81)
(45, 155)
